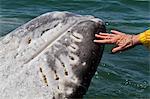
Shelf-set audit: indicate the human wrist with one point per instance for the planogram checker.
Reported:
(136, 40)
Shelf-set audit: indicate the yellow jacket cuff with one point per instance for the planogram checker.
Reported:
(145, 38)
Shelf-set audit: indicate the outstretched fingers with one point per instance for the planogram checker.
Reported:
(104, 41)
(116, 32)
(101, 36)
(121, 47)
(121, 40)
(116, 49)
(106, 34)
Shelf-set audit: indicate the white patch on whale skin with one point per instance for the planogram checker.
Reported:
(74, 59)
(76, 37)
(75, 80)
(79, 36)
(84, 63)
(73, 47)
(47, 37)
(66, 39)
(69, 90)
(68, 69)
(59, 14)
(97, 20)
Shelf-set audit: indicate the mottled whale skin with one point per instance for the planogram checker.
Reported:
(50, 57)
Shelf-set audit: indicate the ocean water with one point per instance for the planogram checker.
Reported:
(124, 75)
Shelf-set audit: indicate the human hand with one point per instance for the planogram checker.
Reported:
(122, 40)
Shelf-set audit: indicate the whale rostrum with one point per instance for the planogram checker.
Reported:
(50, 57)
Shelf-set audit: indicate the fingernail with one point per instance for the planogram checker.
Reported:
(111, 53)
(111, 30)
(94, 40)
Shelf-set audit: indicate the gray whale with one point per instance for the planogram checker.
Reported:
(50, 57)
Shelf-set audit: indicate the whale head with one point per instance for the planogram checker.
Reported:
(52, 56)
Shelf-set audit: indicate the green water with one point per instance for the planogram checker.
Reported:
(119, 76)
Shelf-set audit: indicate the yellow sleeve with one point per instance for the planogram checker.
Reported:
(145, 38)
